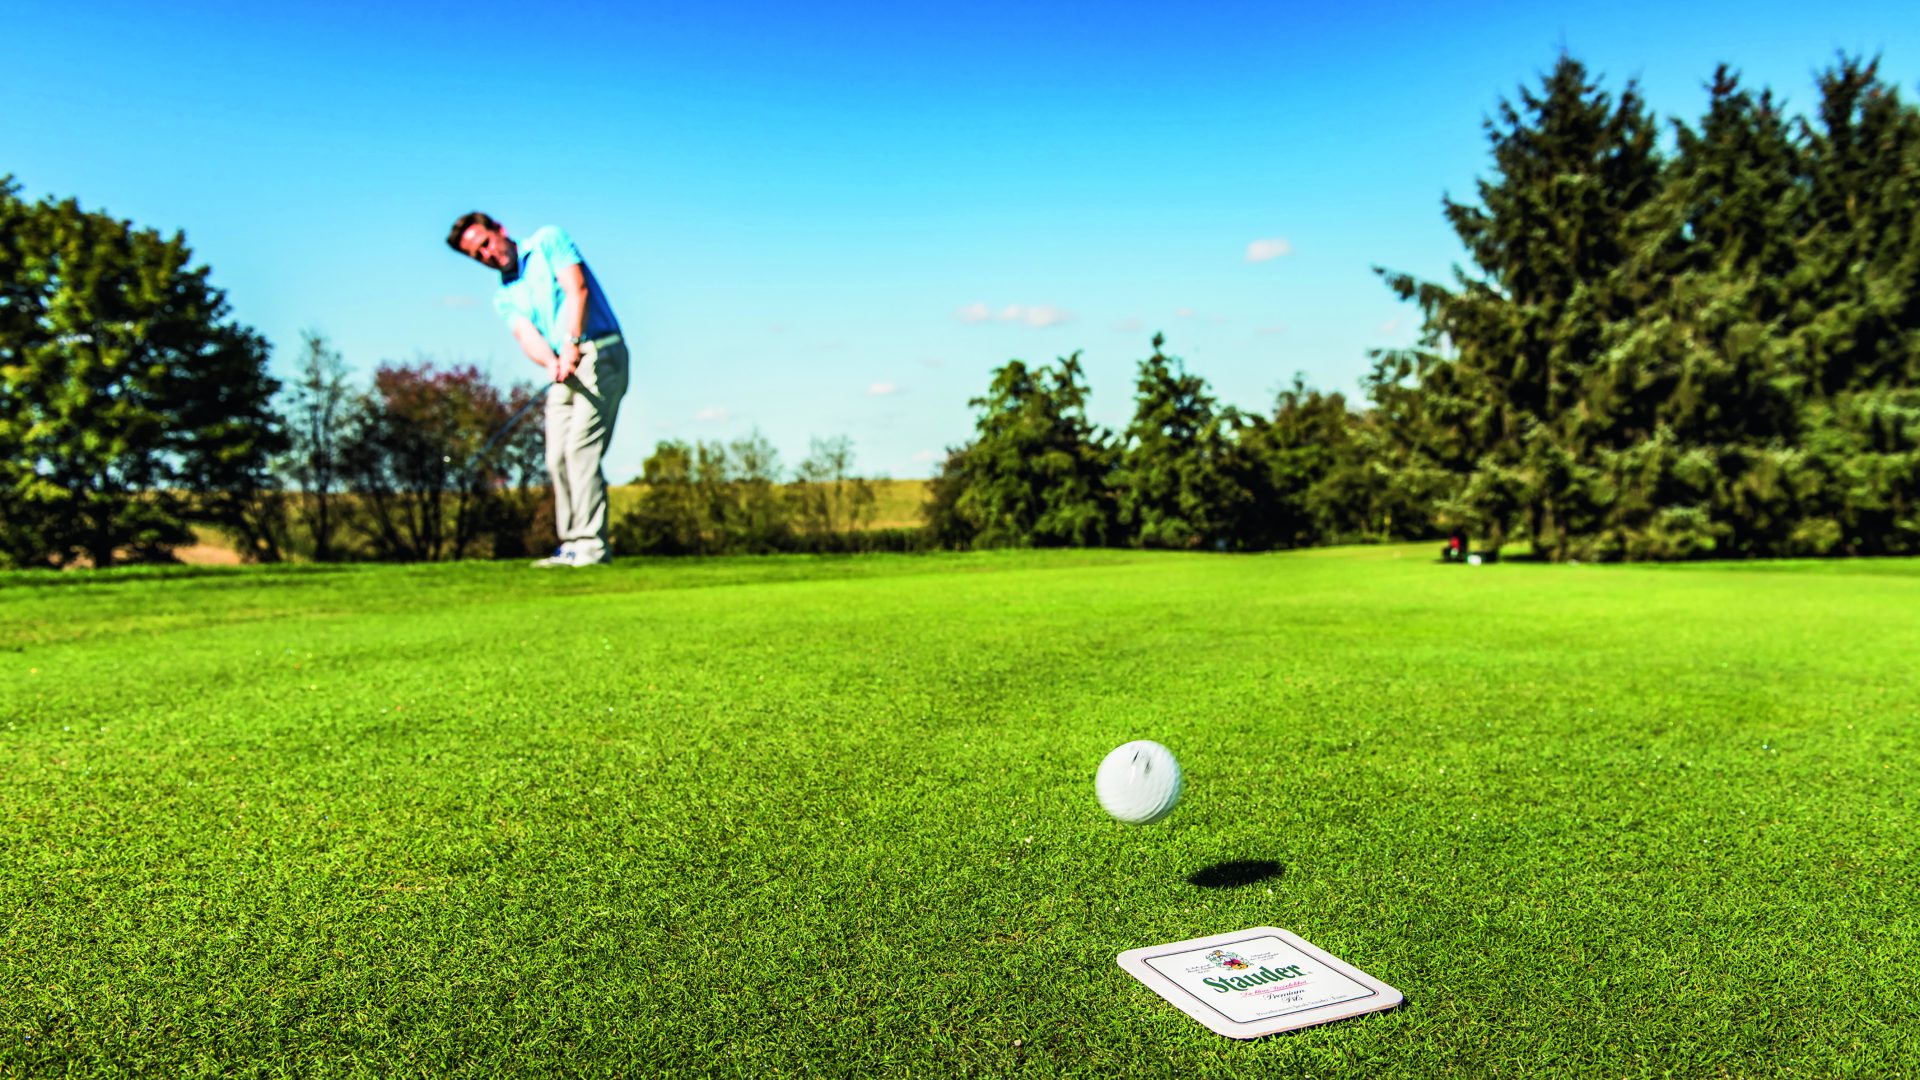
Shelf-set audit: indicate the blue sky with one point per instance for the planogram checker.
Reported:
(836, 219)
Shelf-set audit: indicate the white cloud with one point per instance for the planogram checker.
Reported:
(712, 414)
(459, 302)
(1129, 326)
(1184, 313)
(1390, 327)
(1273, 247)
(928, 455)
(1030, 314)
(1275, 328)
(881, 389)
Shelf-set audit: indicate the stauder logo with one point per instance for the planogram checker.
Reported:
(1265, 975)
(1221, 958)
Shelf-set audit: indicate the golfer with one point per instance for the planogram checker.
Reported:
(563, 323)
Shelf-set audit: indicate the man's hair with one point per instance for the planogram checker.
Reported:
(466, 221)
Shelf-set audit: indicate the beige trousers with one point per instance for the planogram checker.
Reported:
(580, 415)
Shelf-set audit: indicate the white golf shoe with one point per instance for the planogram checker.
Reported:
(560, 557)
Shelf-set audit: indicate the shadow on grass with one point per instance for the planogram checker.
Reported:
(1232, 875)
(48, 577)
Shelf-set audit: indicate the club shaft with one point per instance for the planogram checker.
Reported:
(511, 423)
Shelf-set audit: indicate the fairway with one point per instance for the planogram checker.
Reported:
(795, 816)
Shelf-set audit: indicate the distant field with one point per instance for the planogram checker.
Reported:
(834, 816)
(896, 505)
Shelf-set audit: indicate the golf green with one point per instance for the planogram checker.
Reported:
(795, 816)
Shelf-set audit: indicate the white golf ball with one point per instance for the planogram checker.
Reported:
(1139, 783)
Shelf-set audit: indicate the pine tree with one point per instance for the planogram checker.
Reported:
(1175, 480)
(1038, 473)
(1700, 392)
(1526, 330)
(1304, 472)
(1860, 284)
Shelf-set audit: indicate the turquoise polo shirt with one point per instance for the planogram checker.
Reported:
(535, 295)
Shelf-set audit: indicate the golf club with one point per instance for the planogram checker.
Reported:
(512, 421)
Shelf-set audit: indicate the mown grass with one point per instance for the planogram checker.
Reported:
(802, 816)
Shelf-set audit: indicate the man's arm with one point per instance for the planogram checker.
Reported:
(536, 347)
(573, 316)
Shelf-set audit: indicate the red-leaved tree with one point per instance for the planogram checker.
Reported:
(413, 461)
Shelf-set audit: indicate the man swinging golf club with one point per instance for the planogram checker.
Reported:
(557, 312)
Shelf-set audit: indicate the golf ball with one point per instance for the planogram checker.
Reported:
(1138, 783)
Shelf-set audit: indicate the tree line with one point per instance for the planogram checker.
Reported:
(395, 471)
(134, 411)
(1188, 472)
(1708, 346)
(1667, 341)
(1662, 350)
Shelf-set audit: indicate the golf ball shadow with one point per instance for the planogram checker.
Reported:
(1235, 874)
